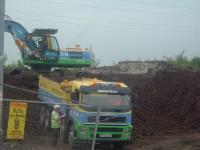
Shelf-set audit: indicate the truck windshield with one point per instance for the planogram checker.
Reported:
(116, 100)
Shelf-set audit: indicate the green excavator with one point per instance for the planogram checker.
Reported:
(40, 49)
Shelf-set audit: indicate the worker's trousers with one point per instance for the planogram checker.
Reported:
(56, 135)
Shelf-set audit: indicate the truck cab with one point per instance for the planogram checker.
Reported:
(115, 119)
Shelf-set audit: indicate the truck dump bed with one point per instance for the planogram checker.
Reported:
(51, 92)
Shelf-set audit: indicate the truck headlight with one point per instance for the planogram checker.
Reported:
(127, 130)
(127, 135)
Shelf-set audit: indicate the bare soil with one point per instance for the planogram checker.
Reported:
(168, 108)
(187, 141)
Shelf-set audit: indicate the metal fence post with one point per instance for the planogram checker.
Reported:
(2, 13)
(96, 127)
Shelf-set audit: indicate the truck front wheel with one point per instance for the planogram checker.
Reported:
(71, 138)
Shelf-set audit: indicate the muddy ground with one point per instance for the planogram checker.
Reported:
(186, 141)
(167, 115)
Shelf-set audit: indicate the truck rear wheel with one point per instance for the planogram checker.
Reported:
(71, 138)
(67, 125)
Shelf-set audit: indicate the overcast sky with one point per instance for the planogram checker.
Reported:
(116, 29)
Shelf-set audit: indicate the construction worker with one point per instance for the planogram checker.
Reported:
(55, 123)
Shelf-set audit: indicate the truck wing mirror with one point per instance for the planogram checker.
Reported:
(75, 97)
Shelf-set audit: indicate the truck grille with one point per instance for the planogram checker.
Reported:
(107, 119)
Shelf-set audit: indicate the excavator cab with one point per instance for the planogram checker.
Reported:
(45, 47)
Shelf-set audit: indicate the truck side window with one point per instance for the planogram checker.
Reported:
(75, 97)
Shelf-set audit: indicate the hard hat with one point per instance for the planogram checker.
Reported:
(56, 106)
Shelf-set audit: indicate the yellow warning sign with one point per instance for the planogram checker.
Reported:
(16, 121)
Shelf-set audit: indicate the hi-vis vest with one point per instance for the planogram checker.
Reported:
(55, 120)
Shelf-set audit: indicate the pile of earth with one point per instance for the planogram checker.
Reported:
(169, 101)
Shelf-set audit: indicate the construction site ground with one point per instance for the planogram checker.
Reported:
(167, 116)
(186, 141)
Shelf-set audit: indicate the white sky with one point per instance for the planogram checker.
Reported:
(116, 29)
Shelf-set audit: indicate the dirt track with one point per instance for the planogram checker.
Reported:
(169, 105)
(189, 141)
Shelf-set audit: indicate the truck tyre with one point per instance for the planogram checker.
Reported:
(65, 136)
(71, 138)
(42, 115)
(47, 121)
(118, 146)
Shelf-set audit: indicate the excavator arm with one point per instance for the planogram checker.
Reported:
(20, 35)
(16, 30)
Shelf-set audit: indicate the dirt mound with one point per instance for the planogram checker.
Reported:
(170, 100)
(167, 100)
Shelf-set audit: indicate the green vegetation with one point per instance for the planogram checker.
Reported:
(183, 61)
(18, 65)
(195, 62)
